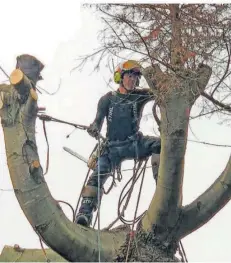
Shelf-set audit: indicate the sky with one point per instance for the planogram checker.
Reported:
(58, 32)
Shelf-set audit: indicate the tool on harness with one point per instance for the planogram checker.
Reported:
(129, 139)
(97, 151)
(100, 148)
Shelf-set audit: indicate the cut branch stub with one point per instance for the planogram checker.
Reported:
(20, 81)
(16, 77)
(33, 94)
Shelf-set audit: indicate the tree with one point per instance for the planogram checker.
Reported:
(184, 49)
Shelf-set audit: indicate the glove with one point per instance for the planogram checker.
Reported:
(93, 130)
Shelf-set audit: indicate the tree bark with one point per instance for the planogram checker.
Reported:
(176, 40)
(176, 96)
(165, 206)
(12, 254)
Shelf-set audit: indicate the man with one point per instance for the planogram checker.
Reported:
(123, 110)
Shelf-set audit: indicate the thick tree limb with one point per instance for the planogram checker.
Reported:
(197, 81)
(204, 73)
(5, 88)
(153, 75)
(74, 243)
(175, 107)
(164, 208)
(176, 41)
(10, 254)
(201, 210)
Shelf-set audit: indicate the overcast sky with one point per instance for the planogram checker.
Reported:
(57, 33)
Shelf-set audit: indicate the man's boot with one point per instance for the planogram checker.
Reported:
(88, 206)
(85, 214)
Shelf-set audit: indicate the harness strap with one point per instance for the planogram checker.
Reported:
(131, 138)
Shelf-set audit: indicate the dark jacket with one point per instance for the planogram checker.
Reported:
(123, 112)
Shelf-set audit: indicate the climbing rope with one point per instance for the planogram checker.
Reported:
(136, 209)
(48, 148)
(134, 178)
(182, 252)
(43, 250)
(72, 209)
(99, 201)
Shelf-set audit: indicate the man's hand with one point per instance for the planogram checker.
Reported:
(93, 130)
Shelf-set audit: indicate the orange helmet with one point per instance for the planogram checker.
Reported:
(131, 66)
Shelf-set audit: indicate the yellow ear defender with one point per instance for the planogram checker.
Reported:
(117, 77)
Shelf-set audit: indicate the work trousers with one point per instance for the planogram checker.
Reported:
(115, 153)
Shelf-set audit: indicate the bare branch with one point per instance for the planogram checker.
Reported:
(227, 67)
(155, 113)
(123, 45)
(216, 102)
(204, 114)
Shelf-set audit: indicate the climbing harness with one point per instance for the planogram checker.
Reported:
(96, 153)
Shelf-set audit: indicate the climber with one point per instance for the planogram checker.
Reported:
(123, 110)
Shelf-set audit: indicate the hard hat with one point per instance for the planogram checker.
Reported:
(129, 66)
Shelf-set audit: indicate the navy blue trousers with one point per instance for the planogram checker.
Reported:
(112, 157)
